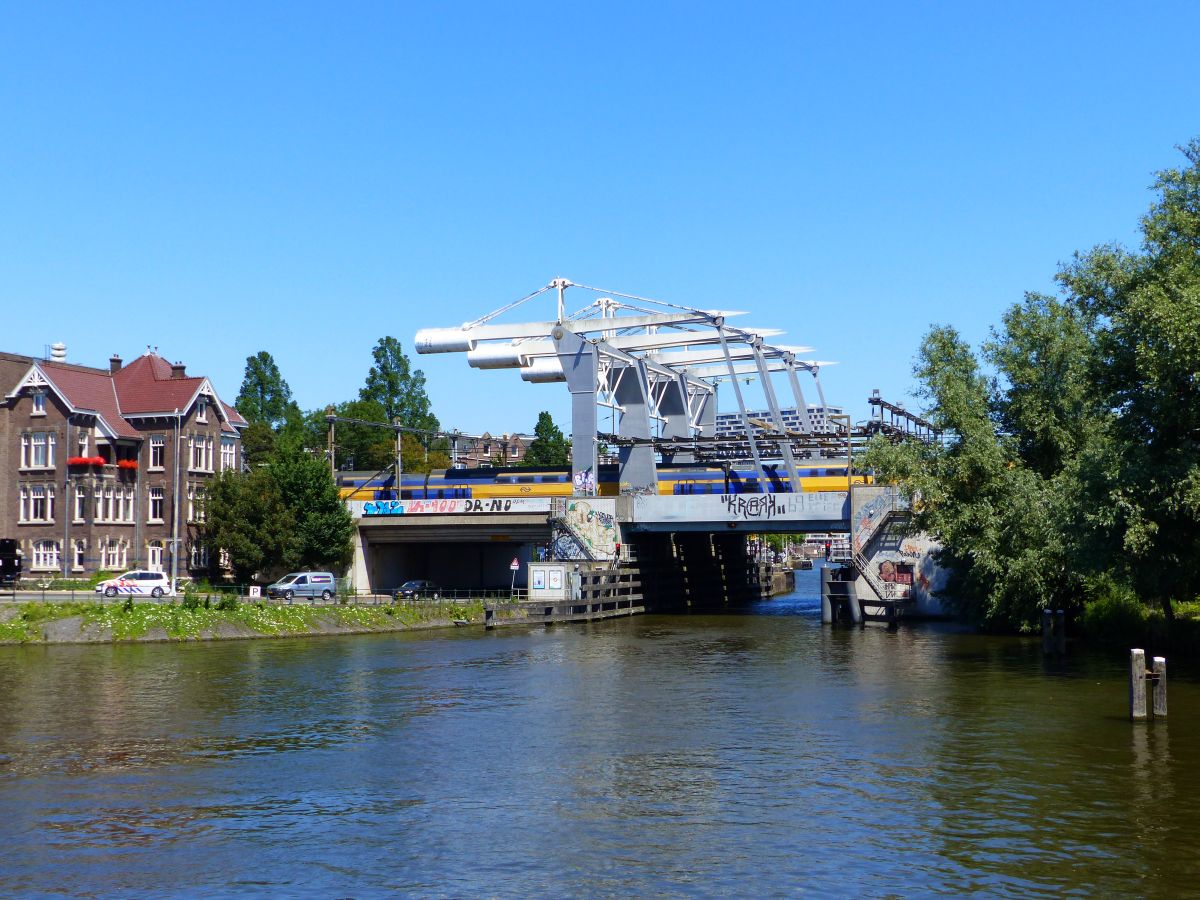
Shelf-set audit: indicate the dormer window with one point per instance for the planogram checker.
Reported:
(39, 402)
(202, 410)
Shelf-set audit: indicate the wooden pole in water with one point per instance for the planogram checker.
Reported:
(1160, 686)
(1137, 684)
(1047, 632)
(1060, 632)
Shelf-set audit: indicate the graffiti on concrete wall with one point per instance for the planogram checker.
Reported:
(593, 521)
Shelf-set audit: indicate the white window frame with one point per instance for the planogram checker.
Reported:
(113, 554)
(47, 555)
(228, 453)
(84, 438)
(80, 511)
(198, 556)
(37, 504)
(156, 503)
(79, 554)
(158, 443)
(39, 402)
(202, 409)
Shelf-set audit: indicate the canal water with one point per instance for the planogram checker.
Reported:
(740, 754)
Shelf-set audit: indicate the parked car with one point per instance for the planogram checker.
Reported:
(304, 584)
(156, 584)
(417, 590)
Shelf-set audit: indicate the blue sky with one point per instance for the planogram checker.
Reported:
(220, 179)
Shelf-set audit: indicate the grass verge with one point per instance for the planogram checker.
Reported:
(134, 621)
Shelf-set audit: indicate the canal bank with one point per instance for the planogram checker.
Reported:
(149, 622)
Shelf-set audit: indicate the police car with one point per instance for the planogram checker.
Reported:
(137, 582)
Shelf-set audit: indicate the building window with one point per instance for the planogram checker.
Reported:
(157, 443)
(46, 555)
(156, 505)
(202, 453)
(83, 443)
(113, 554)
(124, 505)
(195, 499)
(39, 402)
(37, 450)
(228, 453)
(199, 556)
(80, 554)
(106, 507)
(202, 410)
(80, 503)
(37, 503)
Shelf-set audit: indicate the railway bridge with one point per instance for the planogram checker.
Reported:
(651, 370)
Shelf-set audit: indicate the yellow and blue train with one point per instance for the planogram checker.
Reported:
(487, 482)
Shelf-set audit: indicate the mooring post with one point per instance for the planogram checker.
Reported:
(1047, 632)
(1137, 684)
(1060, 632)
(1160, 686)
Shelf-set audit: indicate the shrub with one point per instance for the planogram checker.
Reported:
(1113, 614)
(227, 603)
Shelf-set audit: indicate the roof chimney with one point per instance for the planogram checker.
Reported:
(114, 364)
(178, 370)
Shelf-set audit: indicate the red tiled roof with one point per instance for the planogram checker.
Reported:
(234, 417)
(90, 389)
(142, 387)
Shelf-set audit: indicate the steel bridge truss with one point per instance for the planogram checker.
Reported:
(655, 368)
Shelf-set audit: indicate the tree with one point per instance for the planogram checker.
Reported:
(363, 447)
(264, 396)
(397, 388)
(258, 444)
(1145, 312)
(549, 446)
(1077, 468)
(321, 526)
(994, 517)
(246, 516)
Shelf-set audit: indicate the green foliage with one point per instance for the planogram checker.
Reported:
(319, 525)
(1075, 471)
(258, 443)
(549, 446)
(264, 396)
(1145, 314)
(131, 621)
(1113, 613)
(247, 517)
(397, 387)
(361, 446)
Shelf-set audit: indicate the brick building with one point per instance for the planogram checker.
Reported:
(105, 468)
(472, 452)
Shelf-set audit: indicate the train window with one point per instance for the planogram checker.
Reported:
(525, 479)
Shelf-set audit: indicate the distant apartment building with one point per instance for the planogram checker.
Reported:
(476, 451)
(106, 468)
(730, 424)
